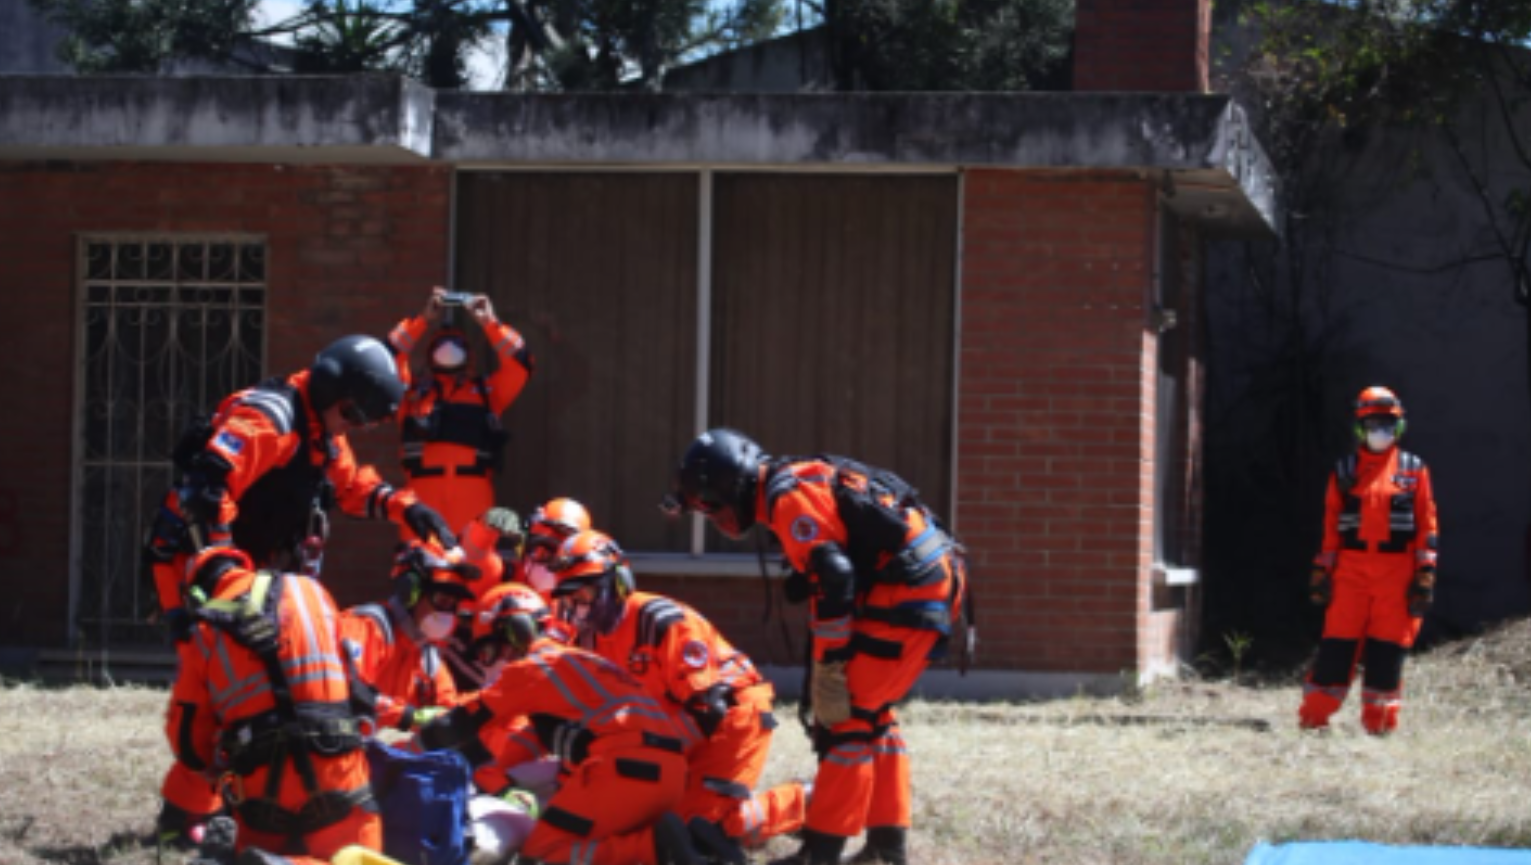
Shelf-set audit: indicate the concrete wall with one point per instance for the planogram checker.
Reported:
(1398, 285)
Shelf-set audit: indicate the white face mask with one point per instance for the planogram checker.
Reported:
(437, 626)
(448, 355)
(1379, 440)
(540, 578)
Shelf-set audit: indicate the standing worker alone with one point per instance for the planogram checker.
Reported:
(451, 437)
(1375, 574)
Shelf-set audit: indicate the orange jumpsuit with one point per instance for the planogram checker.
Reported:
(622, 751)
(225, 720)
(887, 625)
(678, 656)
(1379, 529)
(388, 652)
(450, 427)
(280, 458)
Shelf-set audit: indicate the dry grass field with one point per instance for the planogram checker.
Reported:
(1184, 772)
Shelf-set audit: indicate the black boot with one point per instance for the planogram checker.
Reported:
(217, 847)
(672, 843)
(818, 849)
(714, 844)
(885, 844)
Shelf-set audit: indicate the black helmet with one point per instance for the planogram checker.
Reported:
(717, 477)
(358, 369)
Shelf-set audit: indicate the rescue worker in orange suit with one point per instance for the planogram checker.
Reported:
(393, 646)
(683, 660)
(886, 582)
(452, 441)
(263, 703)
(550, 525)
(485, 542)
(1375, 573)
(622, 753)
(262, 475)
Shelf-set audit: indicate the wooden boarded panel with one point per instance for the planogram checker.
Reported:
(833, 310)
(598, 271)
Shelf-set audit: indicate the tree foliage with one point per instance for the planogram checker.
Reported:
(997, 45)
(548, 44)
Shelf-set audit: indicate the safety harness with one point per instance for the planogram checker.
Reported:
(1401, 524)
(289, 733)
(476, 427)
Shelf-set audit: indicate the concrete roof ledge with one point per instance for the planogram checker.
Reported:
(1199, 145)
(238, 119)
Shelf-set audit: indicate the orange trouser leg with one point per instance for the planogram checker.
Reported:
(459, 500)
(190, 791)
(765, 815)
(601, 814)
(847, 777)
(723, 770)
(891, 805)
(361, 826)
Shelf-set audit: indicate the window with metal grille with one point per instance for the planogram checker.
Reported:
(169, 325)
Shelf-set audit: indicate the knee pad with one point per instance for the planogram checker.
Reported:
(1384, 665)
(1335, 663)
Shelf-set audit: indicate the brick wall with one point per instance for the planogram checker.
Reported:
(350, 250)
(1054, 468)
(1142, 45)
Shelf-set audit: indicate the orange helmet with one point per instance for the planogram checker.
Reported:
(510, 616)
(554, 522)
(592, 560)
(1377, 400)
(423, 570)
(1380, 403)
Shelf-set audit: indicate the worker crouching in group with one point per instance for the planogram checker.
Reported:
(1375, 573)
(263, 703)
(621, 752)
(683, 661)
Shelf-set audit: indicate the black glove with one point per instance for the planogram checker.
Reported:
(708, 707)
(1320, 586)
(180, 623)
(425, 522)
(1422, 591)
(796, 588)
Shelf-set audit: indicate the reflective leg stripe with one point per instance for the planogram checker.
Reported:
(568, 821)
(726, 787)
(583, 853)
(752, 813)
(1338, 692)
(833, 629)
(1372, 697)
(849, 754)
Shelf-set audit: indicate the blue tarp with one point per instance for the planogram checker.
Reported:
(1366, 853)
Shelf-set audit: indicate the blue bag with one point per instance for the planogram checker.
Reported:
(423, 800)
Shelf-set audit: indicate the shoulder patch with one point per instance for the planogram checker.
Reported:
(229, 442)
(804, 529)
(655, 619)
(694, 654)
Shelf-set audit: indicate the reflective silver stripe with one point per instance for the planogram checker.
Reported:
(1373, 697)
(833, 629)
(850, 754)
(273, 405)
(547, 669)
(379, 616)
(430, 662)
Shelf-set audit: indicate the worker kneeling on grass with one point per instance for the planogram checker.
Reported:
(264, 705)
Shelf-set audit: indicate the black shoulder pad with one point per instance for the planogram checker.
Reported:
(655, 619)
(273, 401)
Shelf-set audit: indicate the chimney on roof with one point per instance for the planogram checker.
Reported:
(1142, 45)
